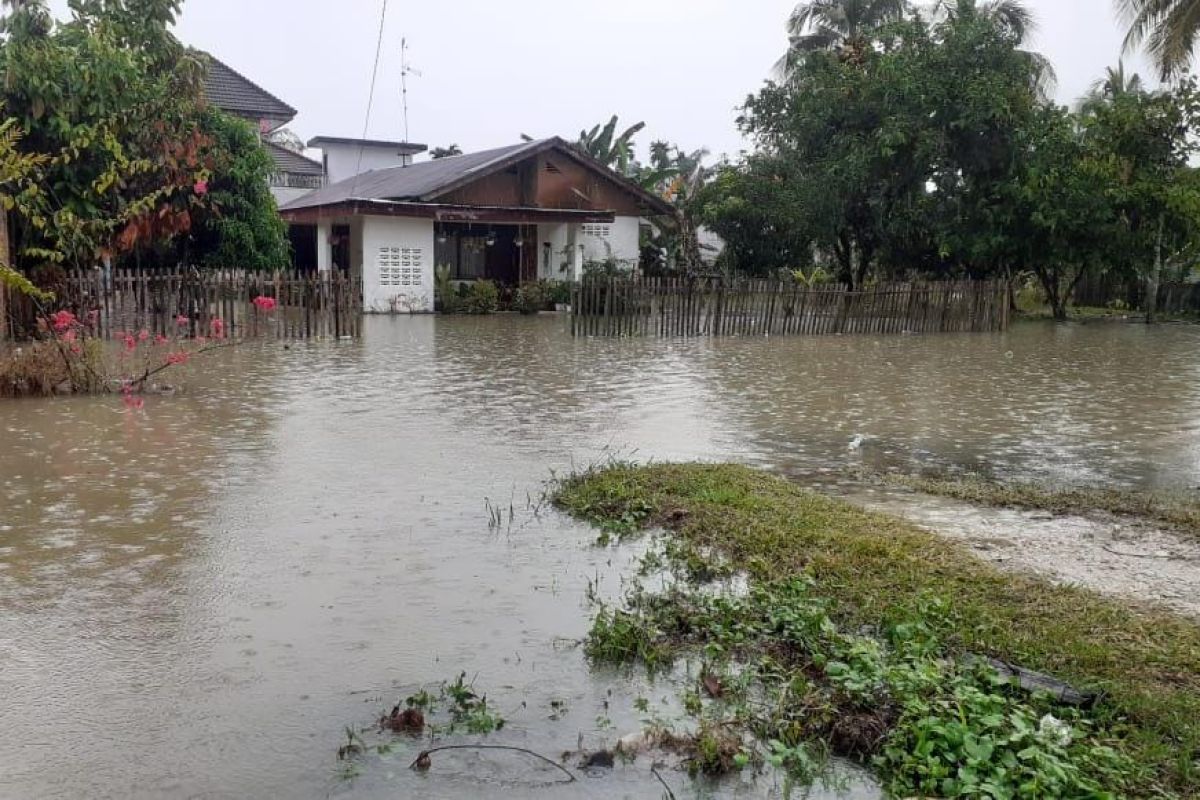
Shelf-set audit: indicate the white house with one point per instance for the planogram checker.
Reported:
(539, 209)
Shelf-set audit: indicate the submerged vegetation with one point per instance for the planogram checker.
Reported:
(1174, 510)
(863, 636)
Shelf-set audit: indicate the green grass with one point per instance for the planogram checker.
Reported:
(1174, 510)
(872, 570)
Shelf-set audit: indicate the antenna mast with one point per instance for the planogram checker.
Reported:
(405, 70)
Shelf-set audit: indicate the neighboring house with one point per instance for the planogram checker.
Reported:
(234, 93)
(533, 210)
(345, 158)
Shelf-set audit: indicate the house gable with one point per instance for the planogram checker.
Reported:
(554, 175)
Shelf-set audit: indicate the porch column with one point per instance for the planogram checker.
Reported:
(324, 248)
(577, 262)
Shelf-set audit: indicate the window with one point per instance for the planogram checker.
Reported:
(400, 266)
(596, 231)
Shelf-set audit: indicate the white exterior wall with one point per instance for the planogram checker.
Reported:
(397, 264)
(561, 237)
(342, 162)
(618, 240)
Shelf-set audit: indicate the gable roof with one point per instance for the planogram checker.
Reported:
(230, 90)
(292, 162)
(428, 180)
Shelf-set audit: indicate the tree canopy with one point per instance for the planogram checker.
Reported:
(924, 145)
(132, 163)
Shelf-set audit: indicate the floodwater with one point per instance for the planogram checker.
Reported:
(197, 598)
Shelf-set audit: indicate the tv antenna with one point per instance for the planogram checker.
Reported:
(406, 69)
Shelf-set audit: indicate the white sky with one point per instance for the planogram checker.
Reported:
(493, 70)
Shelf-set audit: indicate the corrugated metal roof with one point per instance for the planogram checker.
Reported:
(230, 90)
(415, 181)
(289, 161)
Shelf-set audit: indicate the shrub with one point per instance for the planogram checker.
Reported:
(482, 298)
(531, 298)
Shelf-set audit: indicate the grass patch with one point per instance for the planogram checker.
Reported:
(1177, 511)
(854, 626)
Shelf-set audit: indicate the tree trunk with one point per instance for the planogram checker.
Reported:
(1010, 284)
(6, 255)
(1155, 275)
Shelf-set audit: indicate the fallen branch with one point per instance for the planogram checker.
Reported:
(1116, 552)
(425, 754)
(654, 772)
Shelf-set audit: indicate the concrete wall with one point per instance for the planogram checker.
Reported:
(397, 264)
(341, 160)
(618, 240)
(561, 238)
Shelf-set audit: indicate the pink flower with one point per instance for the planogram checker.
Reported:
(218, 328)
(70, 337)
(264, 303)
(143, 335)
(132, 401)
(178, 358)
(181, 320)
(62, 320)
(130, 343)
(201, 188)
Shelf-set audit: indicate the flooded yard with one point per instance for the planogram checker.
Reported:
(197, 598)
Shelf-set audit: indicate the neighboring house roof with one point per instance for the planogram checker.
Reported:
(290, 161)
(230, 90)
(428, 180)
(402, 148)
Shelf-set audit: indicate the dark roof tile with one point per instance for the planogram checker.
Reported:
(231, 91)
(289, 161)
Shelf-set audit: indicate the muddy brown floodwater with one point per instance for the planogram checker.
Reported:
(195, 599)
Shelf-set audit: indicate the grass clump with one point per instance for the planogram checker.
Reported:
(854, 636)
(1176, 511)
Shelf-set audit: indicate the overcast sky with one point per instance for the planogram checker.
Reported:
(494, 70)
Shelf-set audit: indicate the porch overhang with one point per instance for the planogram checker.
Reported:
(441, 212)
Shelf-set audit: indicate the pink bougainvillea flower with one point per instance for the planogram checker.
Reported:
(143, 335)
(264, 303)
(76, 349)
(181, 320)
(132, 401)
(218, 328)
(178, 358)
(201, 188)
(62, 320)
(70, 337)
(130, 343)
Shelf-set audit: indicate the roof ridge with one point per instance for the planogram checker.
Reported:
(271, 95)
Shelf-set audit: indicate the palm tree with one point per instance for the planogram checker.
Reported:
(1167, 28)
(603, 144)
(1015, 20)
(834, 25)
(1115, 83)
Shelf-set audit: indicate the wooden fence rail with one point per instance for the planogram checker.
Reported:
(685, 307)
(307, 305)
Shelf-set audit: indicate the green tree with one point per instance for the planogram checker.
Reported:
(1116, 83)
(244, 229)
(833, 25)
(610, 148)
(1148, 140)
(109, 98)
(1166, 28)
